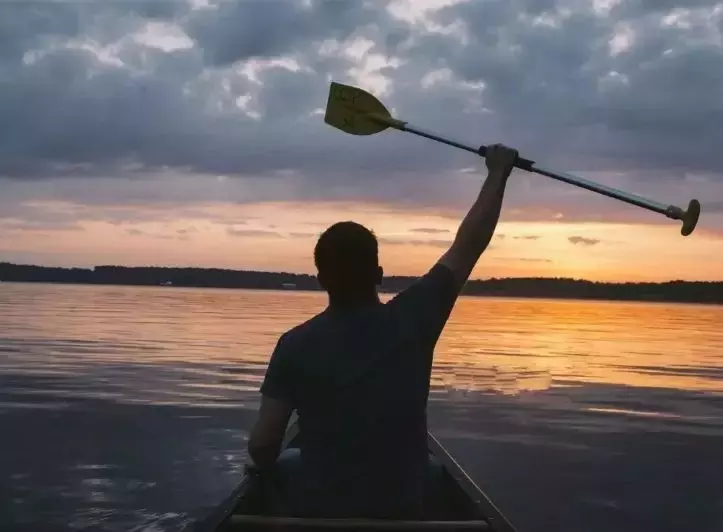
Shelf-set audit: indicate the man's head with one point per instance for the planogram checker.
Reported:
(347, 260)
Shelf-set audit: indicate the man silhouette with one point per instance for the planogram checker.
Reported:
(358, 373)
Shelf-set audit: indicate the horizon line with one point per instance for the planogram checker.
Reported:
(313, 275)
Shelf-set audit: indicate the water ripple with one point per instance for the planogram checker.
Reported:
(127, 408)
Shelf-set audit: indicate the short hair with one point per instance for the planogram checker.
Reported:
(347, 255)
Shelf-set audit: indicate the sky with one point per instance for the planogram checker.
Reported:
(191, 133)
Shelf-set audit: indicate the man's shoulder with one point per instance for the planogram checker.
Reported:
(304, 331)
(438, 284)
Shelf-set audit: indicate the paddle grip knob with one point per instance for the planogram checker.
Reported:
(524, 164)
(690, 217)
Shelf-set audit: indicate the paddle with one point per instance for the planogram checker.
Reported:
(355, 111)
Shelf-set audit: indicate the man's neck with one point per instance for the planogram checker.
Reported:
(348, 303)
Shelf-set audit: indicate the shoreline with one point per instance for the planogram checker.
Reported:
(629, 298)
(687, 292)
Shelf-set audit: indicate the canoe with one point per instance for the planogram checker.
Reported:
(461, 505)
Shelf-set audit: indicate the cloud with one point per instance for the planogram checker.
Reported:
(429, 230)
(134, 231)
(539, 260)
(527, 237)
(9, 224)
(606, 86)
(81, 103)
(243, 30)
(582, 241)
(231, 231)
(224, 102)
(185, 231)
(433, 242)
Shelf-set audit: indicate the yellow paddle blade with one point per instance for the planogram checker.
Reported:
(355, 111)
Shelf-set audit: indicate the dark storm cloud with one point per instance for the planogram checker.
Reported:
(654, 104)
(246, 29)
(28, 23)
(643, 7)
(69, 110)
(79, 95)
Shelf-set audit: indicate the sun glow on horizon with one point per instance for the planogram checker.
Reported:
(278, 236)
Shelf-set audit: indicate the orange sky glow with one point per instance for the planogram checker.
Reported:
(279, 236)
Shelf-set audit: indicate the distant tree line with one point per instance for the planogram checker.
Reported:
(674, 291)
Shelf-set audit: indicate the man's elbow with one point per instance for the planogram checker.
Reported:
(460, 261)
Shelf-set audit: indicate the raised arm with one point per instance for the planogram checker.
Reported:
(428, 302)
(476, 230)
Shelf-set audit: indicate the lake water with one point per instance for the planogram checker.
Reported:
(127, 408)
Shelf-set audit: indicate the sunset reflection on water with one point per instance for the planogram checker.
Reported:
(198, 344)
(148, 393)
(513, 345)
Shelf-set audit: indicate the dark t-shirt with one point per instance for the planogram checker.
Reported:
(359, 380)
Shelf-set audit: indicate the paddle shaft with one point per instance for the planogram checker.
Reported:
(671, 211)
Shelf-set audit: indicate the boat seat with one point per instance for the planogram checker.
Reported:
(249, 522)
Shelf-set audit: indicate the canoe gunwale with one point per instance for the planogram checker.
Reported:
(496, 519)
(359, 524)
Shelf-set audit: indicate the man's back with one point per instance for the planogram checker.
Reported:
(359, 379)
